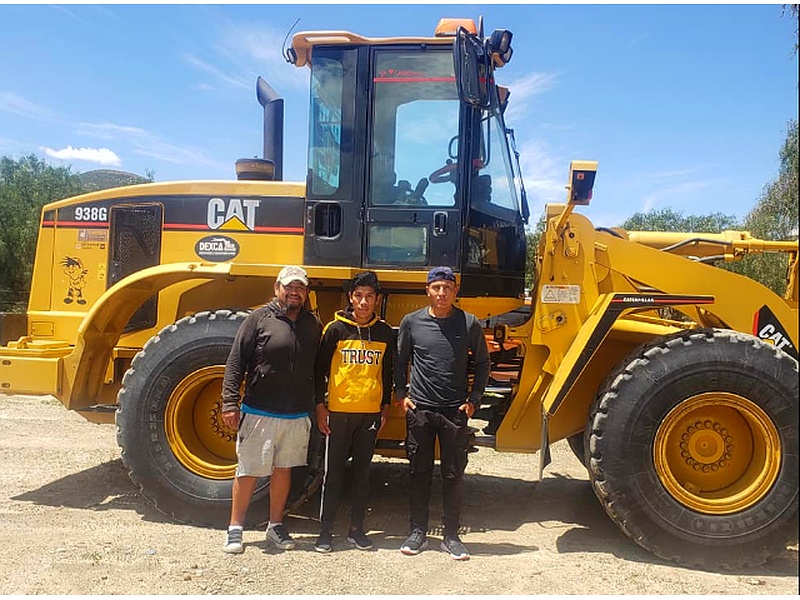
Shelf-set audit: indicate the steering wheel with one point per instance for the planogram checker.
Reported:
(416, 196)
(446, 174)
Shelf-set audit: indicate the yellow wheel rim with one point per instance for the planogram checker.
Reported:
(193, 423)
(717, 453)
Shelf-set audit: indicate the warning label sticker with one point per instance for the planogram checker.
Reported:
(561, 294)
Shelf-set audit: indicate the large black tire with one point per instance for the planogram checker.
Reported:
(693, 445)
(174, 443)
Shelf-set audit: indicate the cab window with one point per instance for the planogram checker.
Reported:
(331, 106)
(493, 180)
(414, 128)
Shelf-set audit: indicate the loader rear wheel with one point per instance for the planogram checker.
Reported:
(174, 443)
(693, 448)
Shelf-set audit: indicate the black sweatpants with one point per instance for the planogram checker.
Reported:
(423, 427)
(352, 434)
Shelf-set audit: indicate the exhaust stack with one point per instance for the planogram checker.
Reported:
(269, 168)
(273, 125)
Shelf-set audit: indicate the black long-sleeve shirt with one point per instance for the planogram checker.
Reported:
(276, 355)
(439, 353)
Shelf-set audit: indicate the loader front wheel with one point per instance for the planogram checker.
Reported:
(693, 448)
(174, 443)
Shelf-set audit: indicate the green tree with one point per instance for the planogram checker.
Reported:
(794, 10)
(775, 217)
(532, 244)
(26, 185)
(666, 219)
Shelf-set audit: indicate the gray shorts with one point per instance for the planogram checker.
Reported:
(266, 443)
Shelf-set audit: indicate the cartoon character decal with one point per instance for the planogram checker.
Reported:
(76, 274)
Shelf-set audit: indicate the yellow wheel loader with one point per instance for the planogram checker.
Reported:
(675, 381)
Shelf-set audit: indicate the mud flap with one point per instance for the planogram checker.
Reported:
(544, 447)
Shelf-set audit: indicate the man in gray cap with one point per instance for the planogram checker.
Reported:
(274, 352)
(438, 402)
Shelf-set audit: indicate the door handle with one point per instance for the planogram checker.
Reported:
(439, 223)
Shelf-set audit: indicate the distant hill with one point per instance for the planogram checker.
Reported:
(102, 179)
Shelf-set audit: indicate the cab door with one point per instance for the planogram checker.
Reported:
(493, 260)
(412, 215)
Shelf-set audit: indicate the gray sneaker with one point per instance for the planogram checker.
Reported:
(280, 537)
(415, 543)
(453, 546)
(233, 542)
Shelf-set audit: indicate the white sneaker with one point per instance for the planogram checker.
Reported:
(233, 542)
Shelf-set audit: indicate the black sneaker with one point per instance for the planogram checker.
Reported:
(360, 539)
(324, 542)
(415, 543)
(280, 537)
(233, 542)
(453, 546)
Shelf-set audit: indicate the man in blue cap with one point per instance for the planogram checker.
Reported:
(438, 402)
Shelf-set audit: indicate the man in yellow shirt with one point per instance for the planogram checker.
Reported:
(354, 365)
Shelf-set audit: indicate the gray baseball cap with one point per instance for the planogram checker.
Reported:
(292, 273)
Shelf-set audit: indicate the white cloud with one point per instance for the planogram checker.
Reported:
(161, 150)
(662, 196)
(16, 104)
(260, 47)
(544, 174)
(637, 39)
(103, 156)
(111, 131)
(147, 143)
(236, 81)
(671, 174)
(524, 89)
(242, 53)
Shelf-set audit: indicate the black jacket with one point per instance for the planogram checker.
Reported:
(276, 356)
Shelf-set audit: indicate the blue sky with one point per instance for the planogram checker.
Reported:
(684, 106)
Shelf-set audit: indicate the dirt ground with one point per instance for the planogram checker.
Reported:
(73, 523)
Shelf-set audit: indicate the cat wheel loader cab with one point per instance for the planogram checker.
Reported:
(402, 173)
(674, 381)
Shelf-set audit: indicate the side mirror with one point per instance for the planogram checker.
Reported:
(581, 181)
(500, 47)
(472, 69)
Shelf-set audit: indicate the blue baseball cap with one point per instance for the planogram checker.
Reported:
(441, 274)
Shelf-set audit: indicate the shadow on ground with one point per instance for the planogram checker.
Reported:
(492, 503)
(101, 488)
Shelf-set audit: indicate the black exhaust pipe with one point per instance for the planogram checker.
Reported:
(269, 168)
(273, 125)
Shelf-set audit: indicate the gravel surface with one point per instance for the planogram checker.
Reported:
(73, 523)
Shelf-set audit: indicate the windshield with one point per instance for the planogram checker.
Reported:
(493, 176)
(415, 123)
